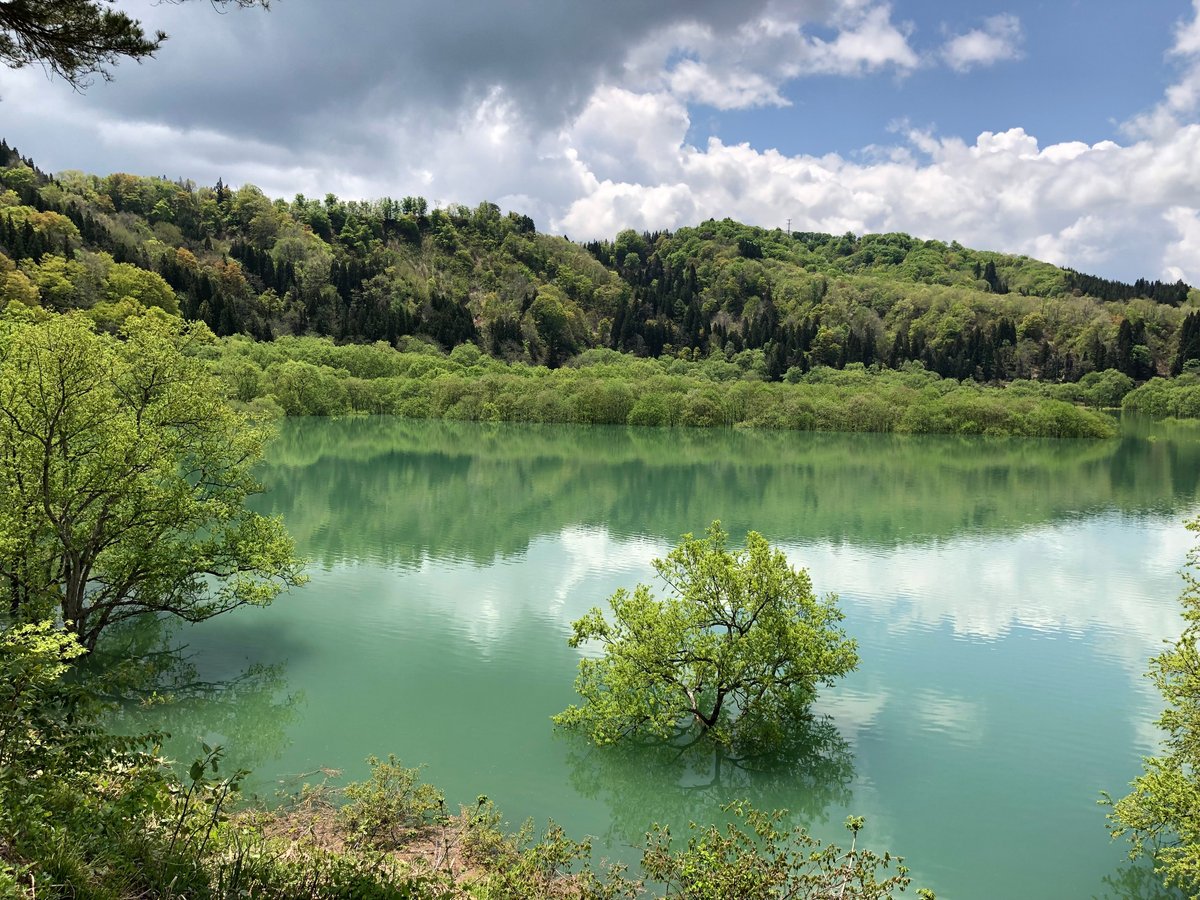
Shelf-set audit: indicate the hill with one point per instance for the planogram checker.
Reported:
(377, 271)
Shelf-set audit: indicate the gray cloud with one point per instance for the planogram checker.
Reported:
(580, 115)
(313, 68)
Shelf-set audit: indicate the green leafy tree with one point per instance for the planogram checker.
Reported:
(148, 288)
(733, 653)
(123, 477)
(76, 39)
(1159, 815)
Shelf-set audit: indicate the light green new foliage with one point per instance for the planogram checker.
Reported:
(123, 476)
(735, 650)
(1159, 816)
(757, 858)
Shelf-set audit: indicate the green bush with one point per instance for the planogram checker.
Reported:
(311, 376)
(389, 808)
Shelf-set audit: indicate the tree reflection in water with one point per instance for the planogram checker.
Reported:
(810, 772)
(156, 685)
(1136, 881)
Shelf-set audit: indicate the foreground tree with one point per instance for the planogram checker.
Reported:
(123, 476)
(76, 39)
(734, 653)
(1160, 815)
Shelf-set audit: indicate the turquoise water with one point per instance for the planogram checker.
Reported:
(1005, 594)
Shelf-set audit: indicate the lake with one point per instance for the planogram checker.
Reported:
(1005, 594)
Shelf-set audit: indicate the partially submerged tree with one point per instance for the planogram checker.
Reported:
(1160, 815)
(77, 39)
(734, 653)
(123, 476)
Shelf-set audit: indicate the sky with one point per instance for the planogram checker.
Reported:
(1068, 130)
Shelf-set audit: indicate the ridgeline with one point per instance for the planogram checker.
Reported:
(685, 328)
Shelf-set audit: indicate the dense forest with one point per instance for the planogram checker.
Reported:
(358, 271)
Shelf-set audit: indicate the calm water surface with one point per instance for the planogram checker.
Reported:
(1005, 594)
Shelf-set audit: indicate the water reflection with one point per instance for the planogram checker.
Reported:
(1005, 596)
(159, 686)
(1136, 881)
(376, 488)
(1081, 579)
(810, 773)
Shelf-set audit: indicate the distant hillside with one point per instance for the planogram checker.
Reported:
(380, 270)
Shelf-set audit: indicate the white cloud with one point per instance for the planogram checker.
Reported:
(870, 44)
(1104, 205)
(735, 89)
(1182, 98)
(1187, 34)
(1181, 254)
(628, 136)
(750, 65)
(613, 148)
(999, 40)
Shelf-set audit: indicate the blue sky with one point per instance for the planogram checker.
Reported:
(1069, 131)
(1084, 69)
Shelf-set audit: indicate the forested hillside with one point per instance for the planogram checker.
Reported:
(377, 271)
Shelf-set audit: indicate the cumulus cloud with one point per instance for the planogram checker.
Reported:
(583, 117)
(1182, 97)
(750, 65)
(998, 40)
(1104, 205)
(1181, 254)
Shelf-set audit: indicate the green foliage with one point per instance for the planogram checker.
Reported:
(147, 288)
(523, 864)
(1158, 816)
(1105, 389)
(75, 39)
(734, 652)
(753, 858)
(388, 271)
(86, 814)
(33, 659)
(313, 376)
(123, 476)
(1161, 398)
(388, 809)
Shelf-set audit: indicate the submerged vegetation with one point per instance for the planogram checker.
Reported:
(84, 813)
(732, 654)
(313, 376)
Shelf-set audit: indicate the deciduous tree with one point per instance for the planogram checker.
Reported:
(734, 652)
(1159, 816)
(123, 477)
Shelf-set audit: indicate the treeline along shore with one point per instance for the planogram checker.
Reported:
(330, 307)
